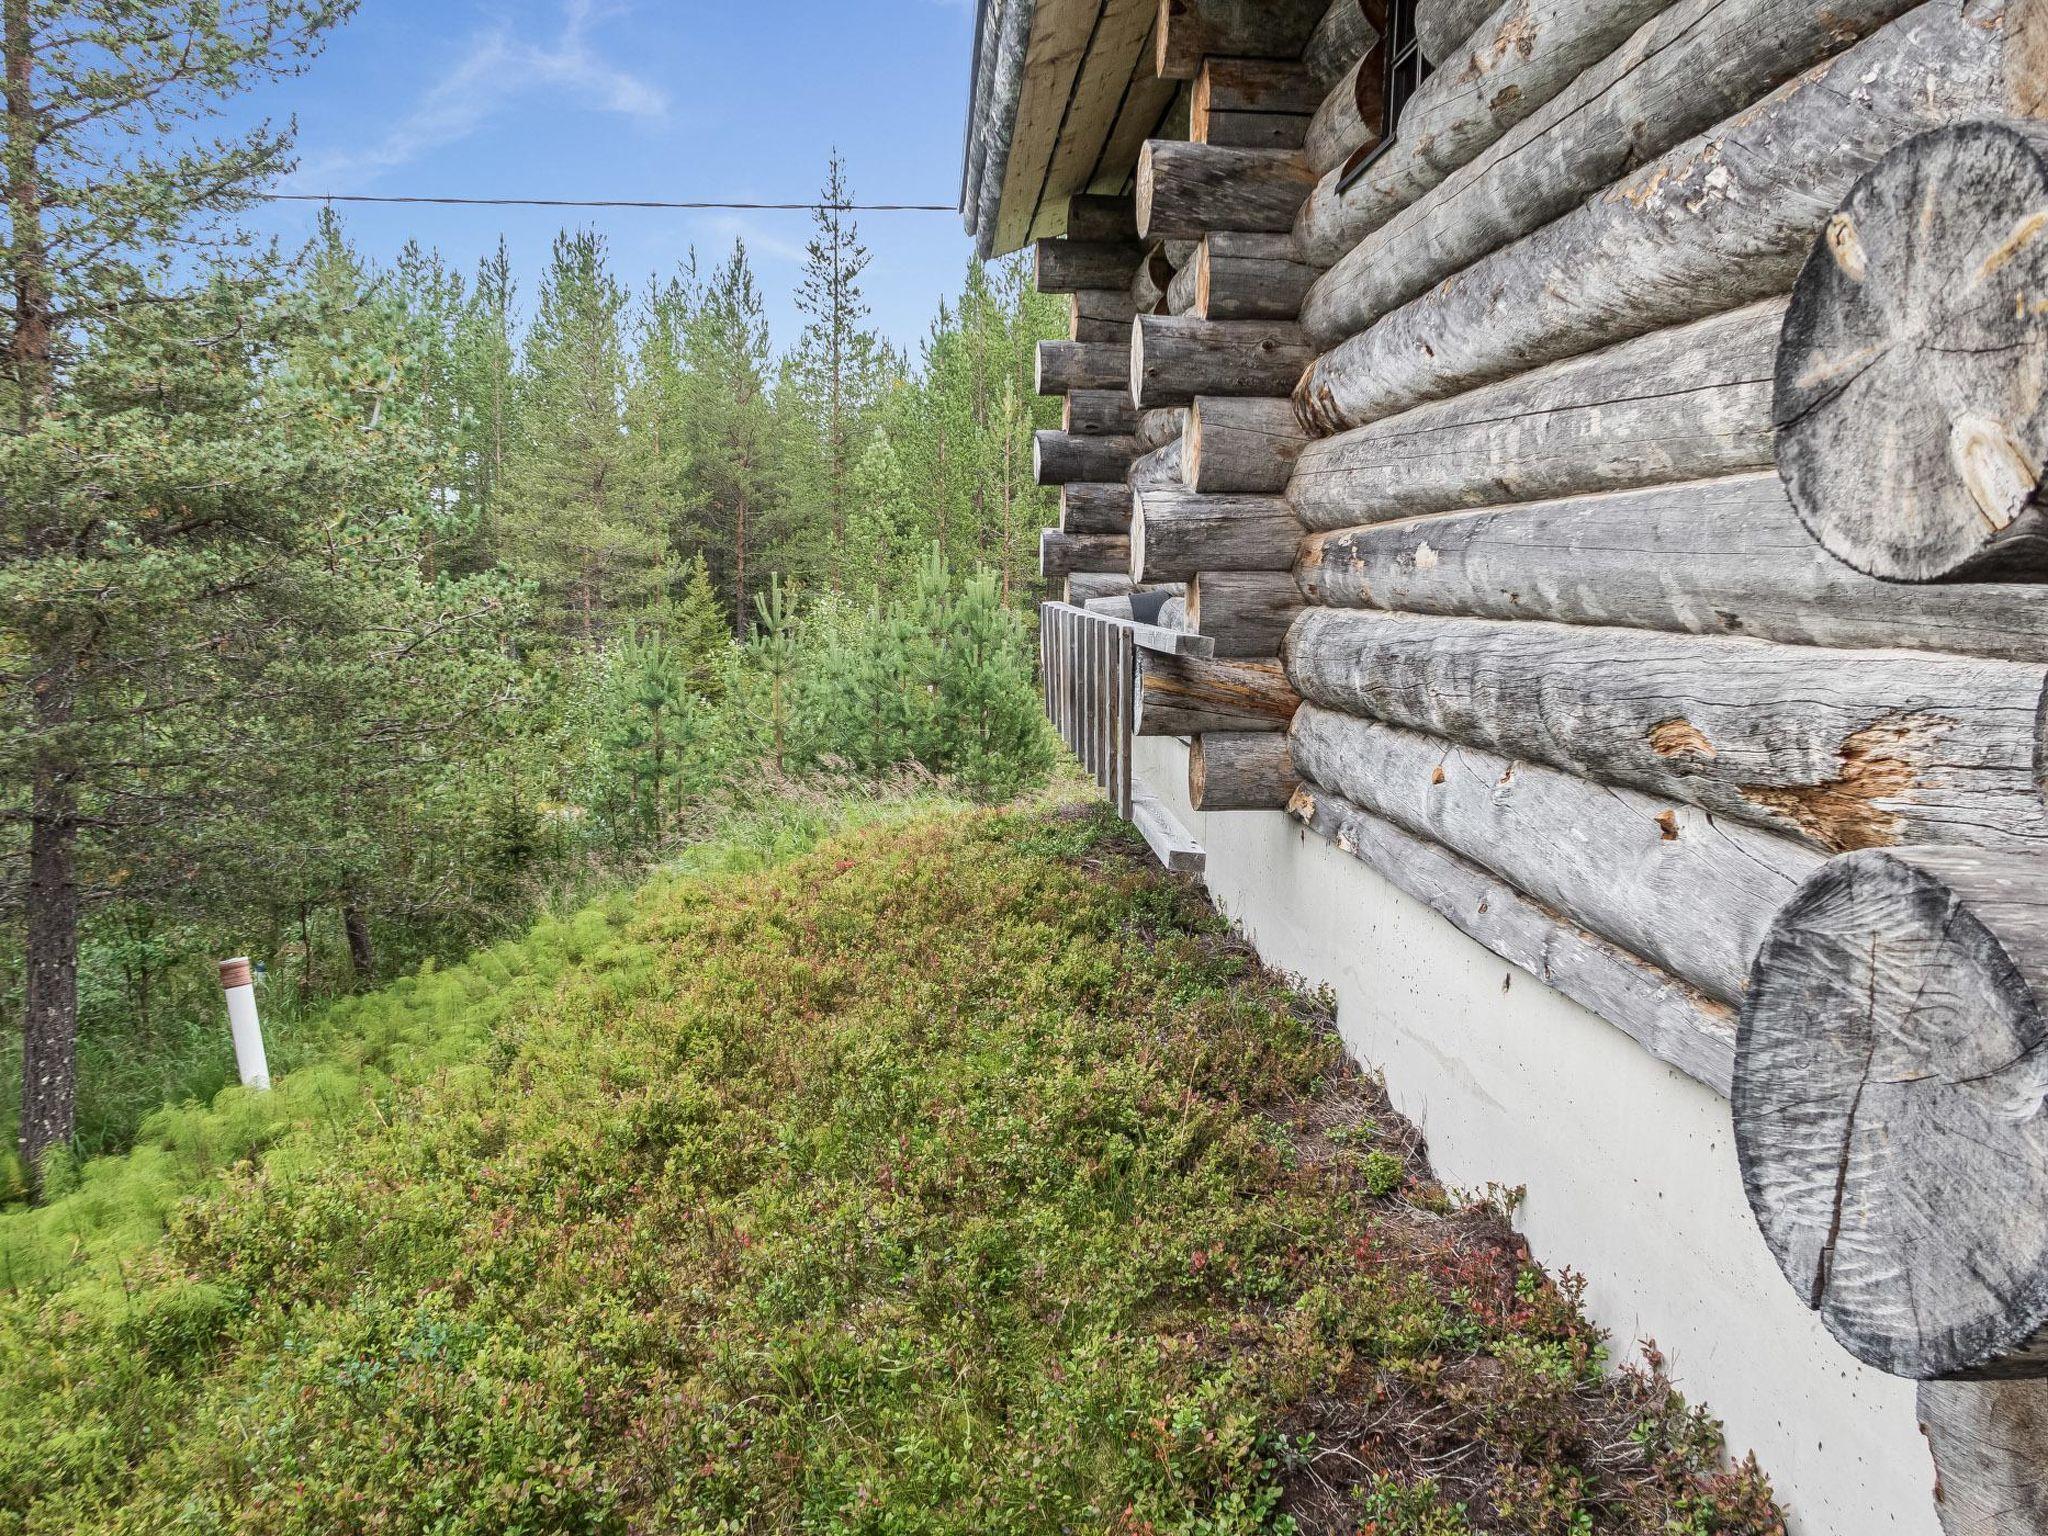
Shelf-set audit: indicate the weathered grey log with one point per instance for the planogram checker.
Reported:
(1440, 25)
(1119, 607)
(1890, 1076)
(1089, 507)
(1065, 366)
(1241, 771)
(1092, 216)
(1173, 613)
(1100, 413)
(1100, 314)
(1185, 190)
(1348, 119)
(1189, 695)
(1160, 426)
(1331, 222)
(1094, 554)
(1674, 1022)
(1085, 588)
(1070, 266)
(1249, 277)
(1687, 403)
(1251, 103)
(1174, 358)
(1181, 292)
(1246, 613)
(1662, 879)
(1340, 40)
(1157, 470)
(1001, 72)
(1186, 31)
(1150, 281)
(1912, 384)
(1179, 252)
(1990, 1443)
(1713, 557)
(1240, 446)
(1722, 220)
(1566, 135)
(1175, 533)
(1059, 458)
(1841, 750)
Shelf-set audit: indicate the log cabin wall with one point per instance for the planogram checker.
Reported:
(1618, 492)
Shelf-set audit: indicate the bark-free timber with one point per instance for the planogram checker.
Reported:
(1100, 413)
(1060, 458)
(1722, 220)
(1676, 1023)
(1709, 557)
(1157, 470)
(1245, 612)
(1662, 879)
(1175, 533)
(1100, 314)
(1680, 74)
(1687, 403)
(1890, 1075)
(1188, 30)
(1348, 119)
(1190, 695)
(1091, 216)
(1085, 588)
(1065, 366)
(1241, 446)
(1074, 266)
(1186, 190)
(1912, 383)
(1149, 283)
(1990, 1442)
(1181, 292)
(1241, 771)
(1440, 25)
(1174, 358)
(1248, 277)
(1158, 427)
(1341, 40)
(1092, 554)
(1095, 508)
(1251, 104)
(1841, 750)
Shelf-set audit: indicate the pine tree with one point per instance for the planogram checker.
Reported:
(484, 359)
(731, 476)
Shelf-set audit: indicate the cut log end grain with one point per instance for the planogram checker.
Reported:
(1990, 1443)
(1891, 1107)
(1912, 376)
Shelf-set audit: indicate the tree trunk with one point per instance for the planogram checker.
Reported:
(49, 1060)
(361, 958)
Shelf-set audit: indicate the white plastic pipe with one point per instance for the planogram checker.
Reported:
(239, 984)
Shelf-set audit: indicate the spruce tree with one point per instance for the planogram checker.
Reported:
(732, 480)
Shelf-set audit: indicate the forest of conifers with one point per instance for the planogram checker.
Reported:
(348, 613)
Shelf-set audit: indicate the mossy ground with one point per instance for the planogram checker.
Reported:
(955, 1175)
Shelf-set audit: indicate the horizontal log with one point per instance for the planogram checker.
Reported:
(1241, 771)
(1840, 750)
(1680, 74)
(1340, 211)
(1092, 216)
(1687, 403)
(1340, 40)
(1161, 425)
(1174, 358)
(1348, 119)
(1175, 533)
(1150, 598)
(1091, 507)
(1720, 221)
(1173, 613)
(1154, 275)
(1100, 314)
(1094, 554)
(1184, 32)
(1071, 266)
(1185, 190)
(1912, 384)
(1099, 413)
(1709, 557)
(1251, 104)
(1084, 588)
(1065, 366)
(1989, 1440)
(1889, 1080)
(1676, 1023)
(1060, 458)
(1157, 470)
(1665, 881)
(1441, 25)
(1249, 277)
(1179, 253)
(1189, 696)
(1241, 446)
(1247, 613)
(1181, 292)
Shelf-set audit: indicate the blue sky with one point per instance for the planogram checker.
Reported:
(671, 99)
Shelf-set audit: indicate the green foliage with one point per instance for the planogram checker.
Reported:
(958, 1175)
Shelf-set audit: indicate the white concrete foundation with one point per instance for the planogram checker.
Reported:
(1629, 1165)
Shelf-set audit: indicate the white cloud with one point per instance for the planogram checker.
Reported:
(496, 72)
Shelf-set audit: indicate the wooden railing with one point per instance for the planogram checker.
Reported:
(1089, 662)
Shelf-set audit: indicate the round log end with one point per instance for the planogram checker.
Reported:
(1143, 183)
(1911, 395)
(1891, 1108)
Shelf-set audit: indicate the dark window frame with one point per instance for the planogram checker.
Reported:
(1403, 69)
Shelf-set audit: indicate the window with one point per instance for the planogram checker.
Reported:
(1403, 69)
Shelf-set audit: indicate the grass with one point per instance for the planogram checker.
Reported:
(950, 1174)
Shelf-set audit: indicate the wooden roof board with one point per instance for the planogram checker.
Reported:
(1122, 33)
(1147, 99)
(1061, 31)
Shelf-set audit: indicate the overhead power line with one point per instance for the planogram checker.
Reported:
(603, 202)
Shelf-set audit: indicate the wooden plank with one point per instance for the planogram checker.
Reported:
(1127, 666)
(1162, 640)
(1169, 841)
(1060, 30)
(1146, 101)
(1116, 47)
